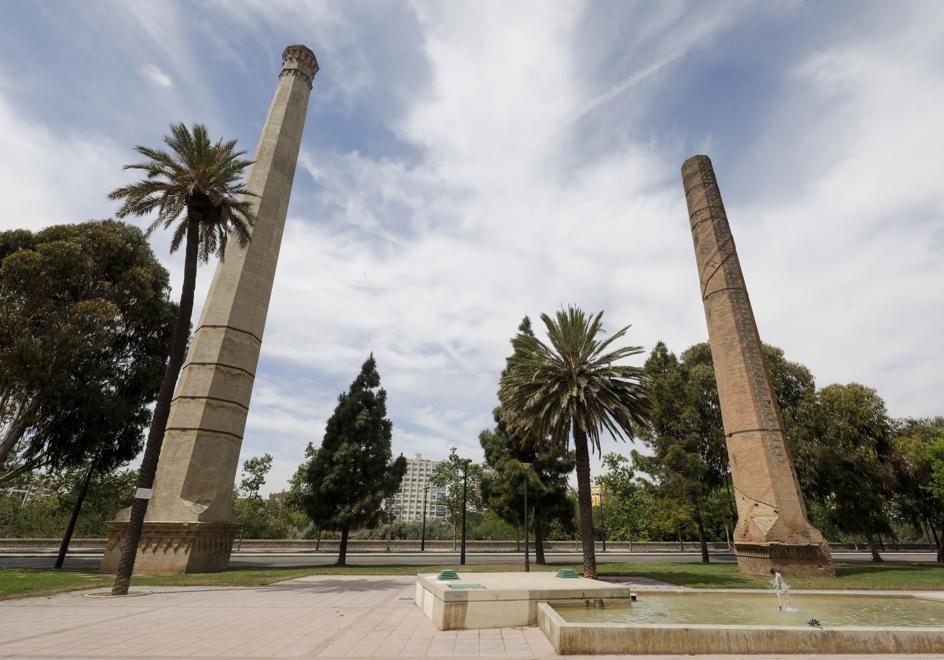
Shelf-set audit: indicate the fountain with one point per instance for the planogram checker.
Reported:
(718, 621)
(782, 589)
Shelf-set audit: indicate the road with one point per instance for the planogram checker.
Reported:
(89, 560)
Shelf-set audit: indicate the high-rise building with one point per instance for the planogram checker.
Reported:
(407, 503)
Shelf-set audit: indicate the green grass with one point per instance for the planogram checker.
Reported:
(15, 582)
(19, 582)
(36, 582)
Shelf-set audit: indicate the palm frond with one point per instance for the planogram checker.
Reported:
(573, 382)
(194, 181)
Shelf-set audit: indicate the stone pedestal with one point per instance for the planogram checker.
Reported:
(773, 531)
(788, 559)
(190, 520)
(173, 547)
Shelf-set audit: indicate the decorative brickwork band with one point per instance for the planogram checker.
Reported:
(170, 547)
(773, 531)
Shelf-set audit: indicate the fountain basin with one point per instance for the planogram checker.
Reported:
(500, 600)
(723, 622)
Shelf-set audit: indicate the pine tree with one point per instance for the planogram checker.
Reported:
(352, 473)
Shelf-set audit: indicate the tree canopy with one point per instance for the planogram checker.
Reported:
(448, 474)
(688, 456)
(843, 456)
(85, 324)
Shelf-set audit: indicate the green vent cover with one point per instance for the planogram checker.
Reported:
(448, 574)
(466, 586)
(567, 573)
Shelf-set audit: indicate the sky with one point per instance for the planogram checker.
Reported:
(465, 164)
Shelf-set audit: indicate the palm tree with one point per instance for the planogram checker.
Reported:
(574, 386)
(198, 187)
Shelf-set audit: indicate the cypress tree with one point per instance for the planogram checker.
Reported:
(352, 473)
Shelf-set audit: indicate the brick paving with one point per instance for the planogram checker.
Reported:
(313, 617)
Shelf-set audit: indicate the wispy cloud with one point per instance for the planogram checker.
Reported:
(153, 74)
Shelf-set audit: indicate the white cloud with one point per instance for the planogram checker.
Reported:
(846, 231)
(49, 177)
(432, 264)
(153, 73)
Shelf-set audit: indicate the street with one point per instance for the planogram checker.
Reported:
(89, 560)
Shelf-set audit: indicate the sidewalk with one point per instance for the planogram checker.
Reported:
(323, 617)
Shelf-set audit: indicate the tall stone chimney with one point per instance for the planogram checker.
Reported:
(773, 531)
(190, 523)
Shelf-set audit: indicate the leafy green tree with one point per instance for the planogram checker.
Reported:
(448, 474)
(626, 502)
(197, 186)
(794, 388)
(46, 517)
(255, 469)
(844, 456)
(270, 518)
(352, 473)
(917, 449)
(574, 385)
(298, 486)
(687, 458)
(493, 527)
(503, 489)
(85, 322)
(250, 507)
(935, 488)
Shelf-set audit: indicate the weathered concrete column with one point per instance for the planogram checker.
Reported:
(773, 531)
(190, 522)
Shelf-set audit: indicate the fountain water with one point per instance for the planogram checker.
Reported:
(782, 589)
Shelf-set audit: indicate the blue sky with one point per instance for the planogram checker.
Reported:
(467, 163)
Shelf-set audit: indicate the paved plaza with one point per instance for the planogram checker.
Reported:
(323, 617)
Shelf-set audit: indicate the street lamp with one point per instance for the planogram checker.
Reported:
(465, 488)
(527, 552)
(602, 519)
(423, 533)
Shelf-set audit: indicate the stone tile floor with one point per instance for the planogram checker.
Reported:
(323, 617)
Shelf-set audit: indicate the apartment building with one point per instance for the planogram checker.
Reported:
(407, 503)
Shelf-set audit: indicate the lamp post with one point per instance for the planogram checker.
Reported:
(465, 489)
(527, 551)
(602, 519)
(423, 532)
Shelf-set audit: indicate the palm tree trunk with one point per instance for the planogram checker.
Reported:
(585, 503)
(152, 450)
(67, 537)
(538, 536)
(342, 546)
